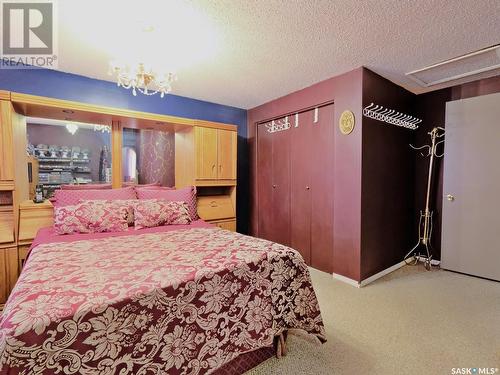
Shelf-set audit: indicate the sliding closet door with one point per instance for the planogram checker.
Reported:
(281, 187)
(301, 158)
(321, 189)
(273, 176)
(265, 181)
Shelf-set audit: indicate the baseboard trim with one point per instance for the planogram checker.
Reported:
(346, 280)
(382, 273)
(359, 284)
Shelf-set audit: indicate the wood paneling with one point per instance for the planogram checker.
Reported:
(226, 154)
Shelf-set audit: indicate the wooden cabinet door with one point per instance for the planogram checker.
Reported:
(321, 169)
(226, 154)
(8, 271)
(6, 142)
(302, 149)
(206, 153)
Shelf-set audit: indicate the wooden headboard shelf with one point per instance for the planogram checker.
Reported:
(205, 156)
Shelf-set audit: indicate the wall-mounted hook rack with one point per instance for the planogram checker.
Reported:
(390, 116)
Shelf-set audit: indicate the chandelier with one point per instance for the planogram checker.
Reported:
(146, 81)
(102, 128)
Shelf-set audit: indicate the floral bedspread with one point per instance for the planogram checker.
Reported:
(180, 302)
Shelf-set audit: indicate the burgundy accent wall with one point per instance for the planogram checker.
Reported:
(379, 181)
(388, 179)
(83, 138)
(346, 92)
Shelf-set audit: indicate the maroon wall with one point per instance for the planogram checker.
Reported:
(379, 181)
(388, 179)
(345, 90)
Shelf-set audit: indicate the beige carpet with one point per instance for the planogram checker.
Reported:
(409, 322)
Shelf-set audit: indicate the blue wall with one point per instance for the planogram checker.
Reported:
(68, 86)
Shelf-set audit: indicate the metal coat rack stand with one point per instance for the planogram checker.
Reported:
(425, 222)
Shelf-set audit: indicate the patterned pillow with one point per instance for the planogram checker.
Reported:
(90, 217)
(128, 203)
(155, 212)
(72, 197)
(187, 194)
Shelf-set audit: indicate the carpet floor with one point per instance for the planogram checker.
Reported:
(408, 322)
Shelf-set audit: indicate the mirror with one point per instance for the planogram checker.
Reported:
(67, 153)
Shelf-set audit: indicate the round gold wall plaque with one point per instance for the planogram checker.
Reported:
(346, 122)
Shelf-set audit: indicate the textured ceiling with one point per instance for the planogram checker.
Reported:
(246, 52)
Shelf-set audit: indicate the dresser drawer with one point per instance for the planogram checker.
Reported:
(215, 207)
(226, 224)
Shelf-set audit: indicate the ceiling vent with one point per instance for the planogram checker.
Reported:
(484, 60)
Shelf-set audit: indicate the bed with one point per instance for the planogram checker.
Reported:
(174, 299)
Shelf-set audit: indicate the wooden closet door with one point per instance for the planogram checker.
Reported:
(280, 229)
(264, 182)
(302, 149)
(321, 168)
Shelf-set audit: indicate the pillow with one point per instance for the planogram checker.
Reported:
(86, 187)
(155, 212)
(128, 203)
(72, 197)
(187, 194)
(90, 217)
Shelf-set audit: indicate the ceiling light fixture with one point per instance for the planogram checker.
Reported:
(72, 128)
(143, 79)
(102, 128)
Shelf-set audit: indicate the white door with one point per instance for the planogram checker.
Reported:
(471, 187)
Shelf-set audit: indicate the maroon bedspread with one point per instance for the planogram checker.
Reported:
(178, 302)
